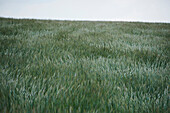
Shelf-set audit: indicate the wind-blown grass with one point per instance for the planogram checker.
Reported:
(72, 66)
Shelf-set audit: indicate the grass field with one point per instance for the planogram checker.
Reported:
(72, 66)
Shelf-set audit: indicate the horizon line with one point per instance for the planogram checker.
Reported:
(86, 20)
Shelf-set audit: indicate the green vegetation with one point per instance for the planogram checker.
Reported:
(72, 66)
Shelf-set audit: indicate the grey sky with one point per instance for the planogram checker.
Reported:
(119, 10)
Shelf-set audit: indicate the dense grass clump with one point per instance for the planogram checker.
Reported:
(71, 66)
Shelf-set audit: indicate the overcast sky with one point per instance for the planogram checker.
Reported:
(116, 10)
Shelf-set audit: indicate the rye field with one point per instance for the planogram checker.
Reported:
(50, 66)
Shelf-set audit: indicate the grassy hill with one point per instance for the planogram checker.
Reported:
(73, 66)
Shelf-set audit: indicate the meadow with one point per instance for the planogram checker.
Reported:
(82, 66)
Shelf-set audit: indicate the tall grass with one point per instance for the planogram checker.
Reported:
(72, 66)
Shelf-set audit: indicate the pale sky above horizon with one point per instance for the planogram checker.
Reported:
(114, 10)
